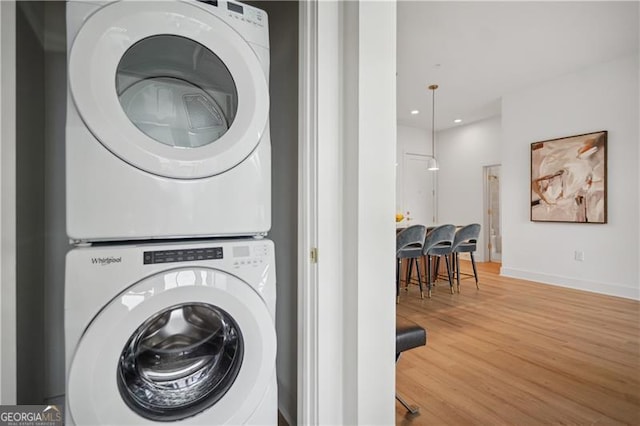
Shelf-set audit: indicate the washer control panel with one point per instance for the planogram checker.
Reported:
(240, 256)
(182, 255)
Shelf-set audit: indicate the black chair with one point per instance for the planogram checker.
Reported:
(466, 241)
(438, 242)
(409, 335)
(409, 244)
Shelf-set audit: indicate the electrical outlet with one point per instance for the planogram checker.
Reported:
(578, 255)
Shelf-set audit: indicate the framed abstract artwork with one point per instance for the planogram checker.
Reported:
(569, 179)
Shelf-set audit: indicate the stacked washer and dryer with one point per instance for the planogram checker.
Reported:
(170, 291)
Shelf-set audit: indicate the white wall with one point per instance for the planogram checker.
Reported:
(414, 140)
(463, 152)
(602, 97)
(369, 199)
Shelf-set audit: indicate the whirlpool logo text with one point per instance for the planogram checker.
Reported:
(103, 261)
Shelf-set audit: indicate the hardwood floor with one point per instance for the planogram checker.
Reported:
(520, 353)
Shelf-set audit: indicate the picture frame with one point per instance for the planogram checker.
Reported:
(569, 179)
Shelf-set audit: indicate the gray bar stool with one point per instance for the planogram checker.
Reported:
(409, 244)
(439, 243)
(465, 241)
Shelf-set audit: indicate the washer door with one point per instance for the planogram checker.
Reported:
(191, 344)
(168, 88)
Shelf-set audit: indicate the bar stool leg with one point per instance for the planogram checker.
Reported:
(429, 275)
(446, 259)
(475, 272)
(457, 260)
(419, 278)
(409, 273)
(398, 280)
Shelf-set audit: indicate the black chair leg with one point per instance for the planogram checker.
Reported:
(475, 272)
(419, 279)
(398, 281)
(453, 264)
(429, 275)
(436, 273)
(446, 259)
(457, 260)
(409, 273)
(412, 409)
(408, 336)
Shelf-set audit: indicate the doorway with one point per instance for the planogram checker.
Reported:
(493, 230)
(418, 191)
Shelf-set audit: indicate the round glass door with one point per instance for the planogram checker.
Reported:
(180, 361)
(176, 91)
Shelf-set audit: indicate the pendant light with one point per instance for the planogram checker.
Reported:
(432, 164)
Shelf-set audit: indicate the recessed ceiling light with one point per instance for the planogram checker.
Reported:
(457, 120)
(414, 112)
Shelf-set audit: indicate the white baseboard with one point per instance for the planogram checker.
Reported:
(609, 289)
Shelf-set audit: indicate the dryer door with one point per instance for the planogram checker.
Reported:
(168, 88)
(191, 344)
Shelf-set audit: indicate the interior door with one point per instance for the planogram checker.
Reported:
(418, 191)
(168, 88)
(493, 231)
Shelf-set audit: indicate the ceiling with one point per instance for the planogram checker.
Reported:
(478, 51)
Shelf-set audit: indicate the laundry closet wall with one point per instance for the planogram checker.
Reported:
(30, 211)
(40, 195)
(283, 91)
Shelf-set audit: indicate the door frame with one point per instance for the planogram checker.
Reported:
(346, 208)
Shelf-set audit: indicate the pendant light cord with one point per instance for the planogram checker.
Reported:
(433, 88)
(433, 122)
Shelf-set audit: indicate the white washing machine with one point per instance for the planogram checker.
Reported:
(174, 332)
(167, 132)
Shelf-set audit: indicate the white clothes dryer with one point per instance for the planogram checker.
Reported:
(167, 132)
(179, 332)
